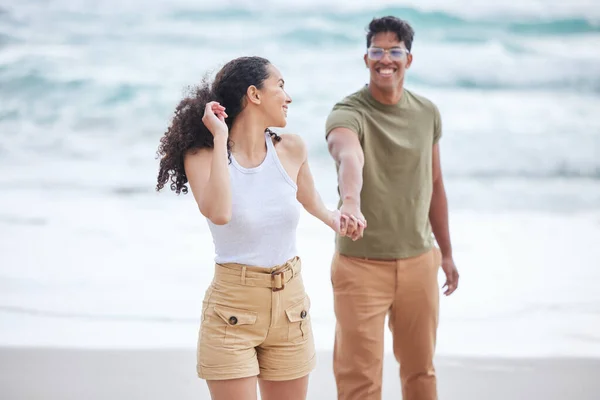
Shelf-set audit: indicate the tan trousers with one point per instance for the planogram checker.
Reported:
(365, 291)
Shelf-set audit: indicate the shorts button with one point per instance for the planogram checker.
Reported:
(303, 314)
(232, 320)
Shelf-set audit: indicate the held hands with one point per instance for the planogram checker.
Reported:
(214, 119)
(349, 221)
(337, 221)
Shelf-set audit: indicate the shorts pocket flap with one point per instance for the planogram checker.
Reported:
(299, 311)
(235, 316)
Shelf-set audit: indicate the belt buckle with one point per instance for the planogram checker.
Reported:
(273, 275)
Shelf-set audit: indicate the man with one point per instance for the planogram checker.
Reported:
(384, 140)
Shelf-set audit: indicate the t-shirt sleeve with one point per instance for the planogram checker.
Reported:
(344, 117)
(437, 125)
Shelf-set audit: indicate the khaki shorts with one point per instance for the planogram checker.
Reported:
(256, 322)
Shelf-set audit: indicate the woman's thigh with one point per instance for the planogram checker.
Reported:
(295, 389)
(240, 389)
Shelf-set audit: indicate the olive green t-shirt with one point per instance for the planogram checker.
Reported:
(397, 141)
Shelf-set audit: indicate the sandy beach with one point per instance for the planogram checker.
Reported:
(65, 374)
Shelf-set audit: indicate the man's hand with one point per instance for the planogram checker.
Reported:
(356, 222)
(451, 275)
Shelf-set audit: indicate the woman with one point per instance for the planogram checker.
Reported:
(248, 183)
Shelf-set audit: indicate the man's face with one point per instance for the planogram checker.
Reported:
(387, 59)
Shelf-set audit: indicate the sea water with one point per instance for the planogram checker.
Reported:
(92, 256)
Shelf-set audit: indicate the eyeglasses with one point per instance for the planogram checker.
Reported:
(396, 53)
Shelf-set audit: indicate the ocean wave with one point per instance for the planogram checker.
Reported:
(442, 20)
(317, 37)
(34, 86)
(483, 52)
(533, 175)
(420, 19)
(6, 40)
(195, 15)
(37, 83)
(590, 84)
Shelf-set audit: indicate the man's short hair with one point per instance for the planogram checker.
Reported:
(401, 28)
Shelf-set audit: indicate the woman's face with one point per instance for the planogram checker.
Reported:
(274, 99)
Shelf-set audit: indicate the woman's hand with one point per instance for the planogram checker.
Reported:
(214, 119)
(339, 222)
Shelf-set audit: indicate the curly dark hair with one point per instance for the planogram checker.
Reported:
(187, 131)
(401, 28)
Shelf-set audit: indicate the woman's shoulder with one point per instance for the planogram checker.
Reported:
(293, 145)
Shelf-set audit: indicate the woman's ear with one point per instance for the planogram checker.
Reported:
(253, 94)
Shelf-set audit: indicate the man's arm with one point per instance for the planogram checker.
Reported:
(345, 149)
(438, 216)
(347, 152)
(295, 149)
(438, 211)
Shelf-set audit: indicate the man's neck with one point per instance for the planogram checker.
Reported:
(387, 97)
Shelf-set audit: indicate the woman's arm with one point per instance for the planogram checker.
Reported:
(207, 170)
(308, 196)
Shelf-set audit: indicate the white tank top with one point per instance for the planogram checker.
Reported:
(264, 218)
